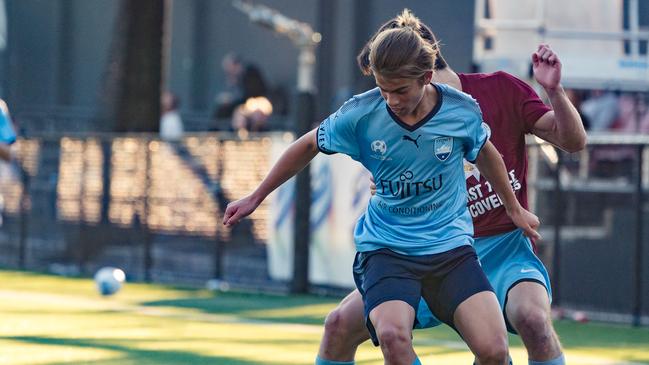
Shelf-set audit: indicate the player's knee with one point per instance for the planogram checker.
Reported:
(338, 325)
(533, 321)
(493, 356)
(333, 325)
(393, 338)
(493, 351)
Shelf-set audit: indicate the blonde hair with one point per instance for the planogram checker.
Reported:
(401, 52)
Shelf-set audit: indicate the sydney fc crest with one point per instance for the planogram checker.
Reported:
(443, 147)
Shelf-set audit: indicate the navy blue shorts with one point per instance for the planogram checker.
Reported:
(444, 280)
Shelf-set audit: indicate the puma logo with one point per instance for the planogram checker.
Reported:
(407, 138)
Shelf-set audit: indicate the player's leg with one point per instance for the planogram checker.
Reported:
(522, 286)
(463, 298)
(390, 285)
(392, 321)
(528, 311)
(479, 320)
(344, 331)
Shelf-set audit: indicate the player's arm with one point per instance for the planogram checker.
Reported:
(292, 161)
(562, 126)
(492, 167)
(5, 152)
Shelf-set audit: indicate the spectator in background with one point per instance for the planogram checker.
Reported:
(252, 116)
(242, 81)
(171, 124)
(7, 133)
(644, 120)
(7, 138)
(601, 110)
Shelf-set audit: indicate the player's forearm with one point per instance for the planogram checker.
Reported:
(569, 128)
(292, 161)
(5, 152)
(492, 167)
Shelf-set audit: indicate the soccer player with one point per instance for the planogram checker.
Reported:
(415, 238)
(7, 133)
(511, 108)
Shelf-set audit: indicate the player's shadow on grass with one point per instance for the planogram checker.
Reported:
(128, 354)
(289, 309)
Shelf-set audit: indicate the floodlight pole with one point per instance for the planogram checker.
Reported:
(306, 40)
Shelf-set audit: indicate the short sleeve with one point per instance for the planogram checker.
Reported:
(478, 133)
(7, 133)
(337, 133)
(531, 107)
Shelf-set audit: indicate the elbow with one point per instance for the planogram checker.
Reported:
(576, 144)
(573, 147)
(572, 142)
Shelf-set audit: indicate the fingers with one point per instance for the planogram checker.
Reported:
(545, 54)
(372, 185)
(532, 234)
(229, 212)
(232, 216)
(535, 59)
(532, 230)
(234, 219)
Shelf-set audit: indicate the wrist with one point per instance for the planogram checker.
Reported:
(513, 209)
(553, 91)
(257, 197)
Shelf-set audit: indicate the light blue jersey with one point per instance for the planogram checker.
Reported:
(420, 203)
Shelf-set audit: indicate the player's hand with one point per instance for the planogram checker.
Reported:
(547, 67)
(238, 210)
(372, 185)
(526, 221)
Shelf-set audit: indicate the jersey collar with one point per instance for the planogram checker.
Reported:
(425, 119)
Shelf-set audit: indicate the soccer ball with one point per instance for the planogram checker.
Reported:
(109, 280)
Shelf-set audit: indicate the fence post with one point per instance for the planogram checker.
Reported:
(637, 262)
(302, 231)
(222, 203)
(558, 219)
(143, 221)
(218, 256)
(24, 217)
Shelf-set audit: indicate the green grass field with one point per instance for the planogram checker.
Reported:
(52, 320)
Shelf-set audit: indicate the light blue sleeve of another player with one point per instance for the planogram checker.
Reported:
(337, 133)
(7, 133)
(478, 132)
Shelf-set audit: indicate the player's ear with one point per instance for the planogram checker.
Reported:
(427, 77)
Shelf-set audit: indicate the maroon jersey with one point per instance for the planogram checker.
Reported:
(510, 107)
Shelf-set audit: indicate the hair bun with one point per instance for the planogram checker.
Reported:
(408, 20)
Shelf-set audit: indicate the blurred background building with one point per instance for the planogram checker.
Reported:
(57, 52)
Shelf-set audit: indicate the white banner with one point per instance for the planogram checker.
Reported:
(340, 192)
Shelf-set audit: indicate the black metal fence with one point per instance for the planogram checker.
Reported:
(75, 203)
(593, 206)
(72, 204)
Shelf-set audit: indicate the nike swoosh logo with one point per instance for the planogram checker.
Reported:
(527, 270)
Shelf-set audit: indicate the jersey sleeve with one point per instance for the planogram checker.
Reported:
(477, 133)
(527, 101)
(7, 133)
(337, 133)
